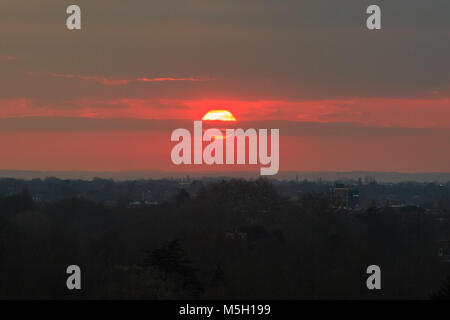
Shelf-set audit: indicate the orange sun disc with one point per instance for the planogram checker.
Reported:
(220, 115)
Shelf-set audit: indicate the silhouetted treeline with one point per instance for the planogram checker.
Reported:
(434, 196)
(233, 239)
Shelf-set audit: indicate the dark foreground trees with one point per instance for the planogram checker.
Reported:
(235, 239)
(443, 293)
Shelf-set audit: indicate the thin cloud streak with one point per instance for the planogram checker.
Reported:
(121, 82)
(418, 113)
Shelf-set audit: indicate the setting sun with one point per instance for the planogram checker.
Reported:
(221, 115)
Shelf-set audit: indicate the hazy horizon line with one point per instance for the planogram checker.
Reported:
(381, 176)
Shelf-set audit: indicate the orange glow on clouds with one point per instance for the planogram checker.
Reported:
(414, 113)
(221, 115)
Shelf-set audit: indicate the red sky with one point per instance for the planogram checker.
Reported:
(107, 97)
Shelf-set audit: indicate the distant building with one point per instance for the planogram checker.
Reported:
(236, 235)
(394, 203)
(134, 204)
(444, 250)
(344, 197)
(146, 196)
